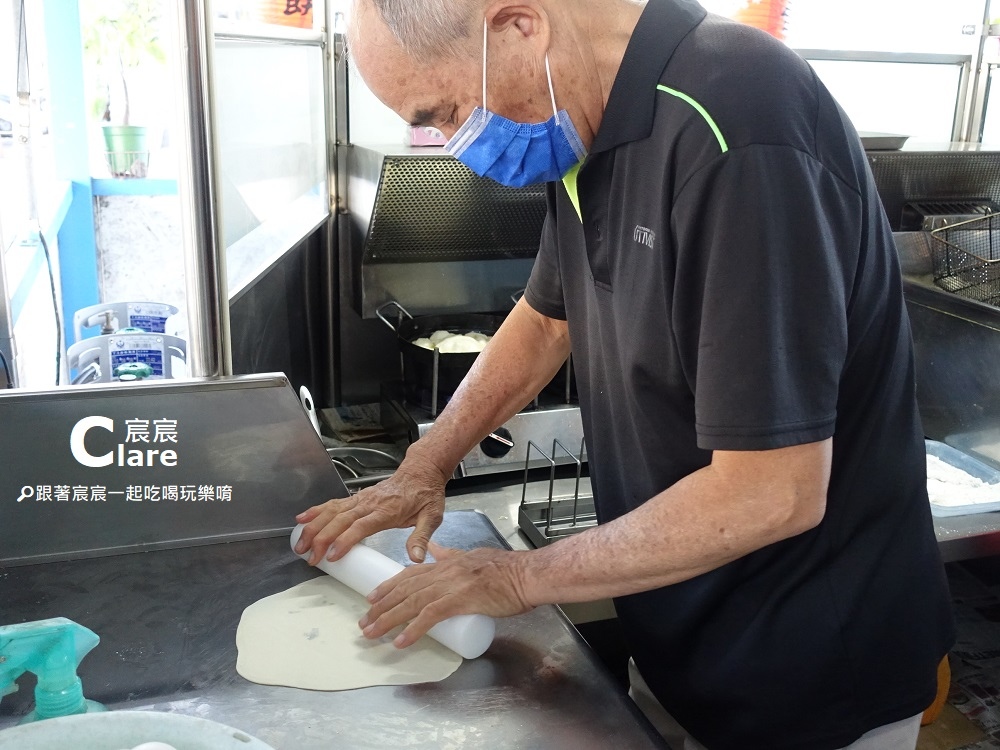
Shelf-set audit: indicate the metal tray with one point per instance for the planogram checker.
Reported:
(971, 466)
(882, 141)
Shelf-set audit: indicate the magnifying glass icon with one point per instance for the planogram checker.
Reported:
(27, 492)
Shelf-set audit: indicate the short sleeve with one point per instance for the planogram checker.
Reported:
(767, 246)
(545, 291)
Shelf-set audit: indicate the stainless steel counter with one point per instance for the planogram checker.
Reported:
(167, 620)
(966, 537)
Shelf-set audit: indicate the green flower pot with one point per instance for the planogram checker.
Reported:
(127, 153)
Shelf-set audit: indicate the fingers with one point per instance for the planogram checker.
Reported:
(429, 616)
(388, 594)
(442, 553)
(428, 520)
(407, 498)
(407, 597)
(481, 581)
(309, 528)
(309, 514)
(362, 525)
(330, 540)
(412, 600)
(328, 524)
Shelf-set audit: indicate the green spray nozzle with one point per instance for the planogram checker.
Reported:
(51, 650)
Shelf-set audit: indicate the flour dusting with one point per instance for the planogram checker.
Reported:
(948, 486)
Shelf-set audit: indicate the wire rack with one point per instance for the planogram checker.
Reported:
(127, 163)
(555, 516)
(966, 258)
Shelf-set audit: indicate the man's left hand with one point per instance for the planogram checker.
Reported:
(483, 581)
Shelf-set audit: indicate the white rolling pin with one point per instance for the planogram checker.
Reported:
(363, 569)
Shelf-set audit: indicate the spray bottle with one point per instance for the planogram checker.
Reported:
(52, 650)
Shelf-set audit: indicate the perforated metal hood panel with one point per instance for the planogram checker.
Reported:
(922, 176)
(431, 208)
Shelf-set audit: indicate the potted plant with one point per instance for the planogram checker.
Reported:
(121, 37)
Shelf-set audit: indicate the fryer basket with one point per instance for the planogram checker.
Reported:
(966, 258)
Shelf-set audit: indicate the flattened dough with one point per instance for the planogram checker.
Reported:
(308, 637)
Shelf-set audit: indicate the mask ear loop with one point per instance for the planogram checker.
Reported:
(485, 31)
(552, 93)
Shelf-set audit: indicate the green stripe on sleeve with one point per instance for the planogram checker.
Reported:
(569, 181)
(701, 111)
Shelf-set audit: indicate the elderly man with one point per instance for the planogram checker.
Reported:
(717, 256)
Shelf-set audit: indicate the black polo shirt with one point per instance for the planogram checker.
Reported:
(731, 283)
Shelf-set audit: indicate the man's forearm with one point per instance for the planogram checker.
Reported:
(735, 506)
(523, 356)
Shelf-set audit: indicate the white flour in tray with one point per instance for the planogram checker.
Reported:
(948, 486)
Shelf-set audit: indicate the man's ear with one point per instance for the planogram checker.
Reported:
(527, 19)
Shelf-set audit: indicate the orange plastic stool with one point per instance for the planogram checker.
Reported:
(943, 685)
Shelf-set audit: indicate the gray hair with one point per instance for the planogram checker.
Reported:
(430, 27)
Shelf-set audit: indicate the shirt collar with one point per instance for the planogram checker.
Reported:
(628, 115)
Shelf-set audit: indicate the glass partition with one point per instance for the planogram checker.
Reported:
(925, 26)
(991, 123)
(896, 66)
(908, 98)
(271, 116)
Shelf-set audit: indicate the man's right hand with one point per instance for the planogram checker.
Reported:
(527, 350)
(413, 496)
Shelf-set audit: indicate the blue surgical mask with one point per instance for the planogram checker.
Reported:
(517, 154)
